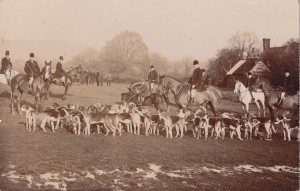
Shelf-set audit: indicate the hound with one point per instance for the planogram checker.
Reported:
(30, 117)
(168, 123)
(288, 125)
(263, 128)
(180, 122)
(233, 124)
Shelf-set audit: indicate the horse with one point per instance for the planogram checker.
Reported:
(69, 76)
(273, 94)
(7, 76)
(142, 89)
(20, 84)
(182, 92)
(245, 97)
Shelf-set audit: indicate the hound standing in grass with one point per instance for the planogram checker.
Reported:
(30, 117)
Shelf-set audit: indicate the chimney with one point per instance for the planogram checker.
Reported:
(266, 44)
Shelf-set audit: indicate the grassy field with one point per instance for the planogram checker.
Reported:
(61, 160)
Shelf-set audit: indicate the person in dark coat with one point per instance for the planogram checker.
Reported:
(288, 87)
(196, 79)
(32, 70)
(153, 78)
(59, 72)
(250, 82)
(97, 75)
(5, 63)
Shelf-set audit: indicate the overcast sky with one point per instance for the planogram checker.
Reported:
(174, 28)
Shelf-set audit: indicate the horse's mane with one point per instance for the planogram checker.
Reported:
(172, 78)
(267, 80)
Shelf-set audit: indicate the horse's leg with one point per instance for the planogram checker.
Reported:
(19, 103)
(212, 108)
(263, 106)
(12, 96)
(65, 93)
(258, 106)
(167, 101)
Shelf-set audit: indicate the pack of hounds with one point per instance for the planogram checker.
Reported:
(129, 117)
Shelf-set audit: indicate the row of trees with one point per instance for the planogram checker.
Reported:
(127, 57)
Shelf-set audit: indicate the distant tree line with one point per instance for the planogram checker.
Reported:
(127, 58)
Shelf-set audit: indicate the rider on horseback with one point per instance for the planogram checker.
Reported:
(288, 88)
(196, 79)
(250, 82)
(32, 70)
(153, 79)
(59, 72)
(5, 63)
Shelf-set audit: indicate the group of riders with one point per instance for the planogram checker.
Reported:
(33, 70)
(198, 84)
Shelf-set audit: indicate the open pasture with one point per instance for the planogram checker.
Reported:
(64, 161)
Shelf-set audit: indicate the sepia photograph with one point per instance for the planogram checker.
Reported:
(124, 95)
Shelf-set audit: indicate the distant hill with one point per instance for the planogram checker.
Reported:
(44, 49)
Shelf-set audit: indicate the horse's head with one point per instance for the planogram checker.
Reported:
(237, 87)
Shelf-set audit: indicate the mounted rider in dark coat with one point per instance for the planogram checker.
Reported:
(59, 72)
(196, 79)
(5, 63)
(32, 70)
(288, 87)
(249, 83)
(153, 79)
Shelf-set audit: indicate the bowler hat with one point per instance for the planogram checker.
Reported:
(195, 62)
(7, 53)
(61, 58)
(286, 71)
(31, 55)
(151, 66)
(249, 73)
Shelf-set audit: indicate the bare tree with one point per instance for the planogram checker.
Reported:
(125, 50)
(246, 43)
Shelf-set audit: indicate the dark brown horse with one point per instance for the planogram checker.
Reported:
(142, 90)
(20, 84)
(69, 76)
(273, 94)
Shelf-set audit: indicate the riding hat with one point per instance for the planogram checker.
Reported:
(6, 53)
(249, 73)
(31, 55)
(286, 71)
(61, 58)
(195, 62)
(151, 66)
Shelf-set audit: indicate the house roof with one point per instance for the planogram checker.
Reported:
(235, 67)
(249, 65)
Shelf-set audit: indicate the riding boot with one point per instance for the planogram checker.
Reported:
(30, 89)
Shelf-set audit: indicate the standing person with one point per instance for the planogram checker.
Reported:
(97, 75)
(5, 63)
(101, 78)
(152, 78)
(59, 72)
(109, 78)
(288, 87)
(32, 70)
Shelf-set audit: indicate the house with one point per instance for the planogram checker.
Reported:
(256, 66)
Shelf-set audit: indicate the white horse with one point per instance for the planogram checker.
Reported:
(245, 97)
(9, 74)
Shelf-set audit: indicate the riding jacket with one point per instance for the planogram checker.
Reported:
(196, 78)
(153, 76)
(32, 68)
(5, 64)
(59, 72)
